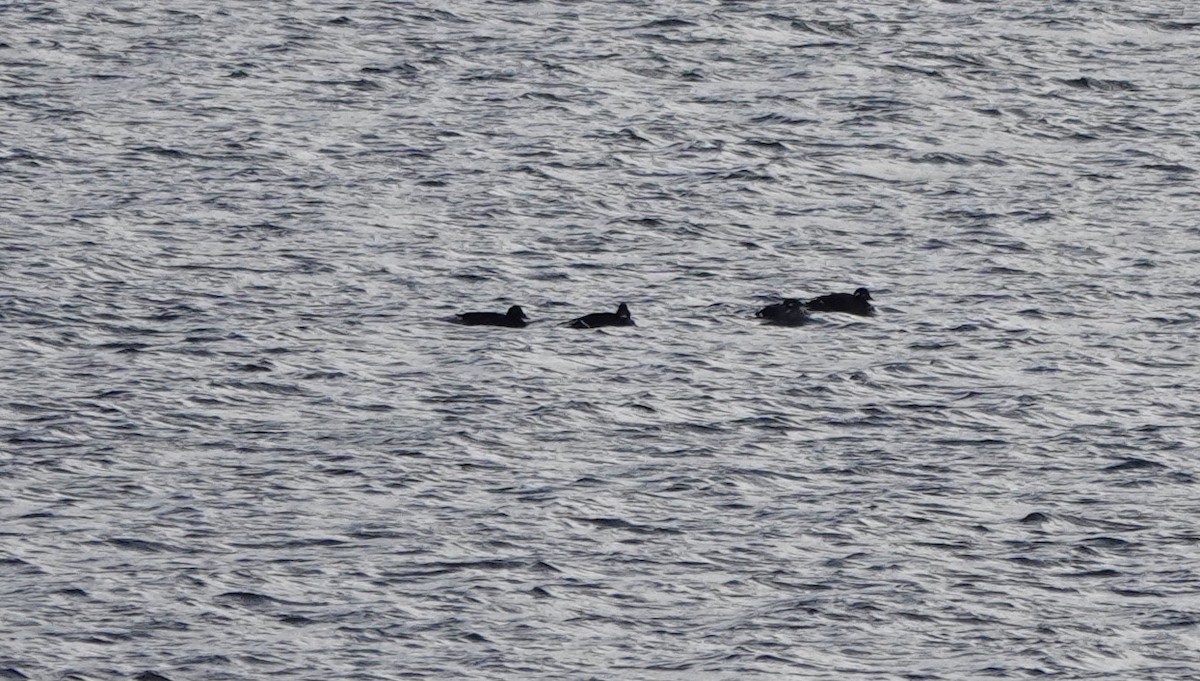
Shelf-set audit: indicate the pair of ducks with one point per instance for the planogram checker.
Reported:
(791, 312)
(515, 317)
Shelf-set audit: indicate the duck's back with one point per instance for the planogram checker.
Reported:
(790, 312)
(854, 303)
(488, 319)
(515, 318)
(600, 319)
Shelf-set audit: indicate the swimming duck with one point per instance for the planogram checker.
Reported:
(790, 312)
(515, 317)
(854, 303)
(599, 319)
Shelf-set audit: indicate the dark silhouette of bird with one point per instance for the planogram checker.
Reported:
(791, 312)
(598, 319)
(515, 317)
(854, 303)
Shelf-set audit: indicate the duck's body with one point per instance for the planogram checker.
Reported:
(599, 319)
(515, 318)
(854, 303)
(791, 312)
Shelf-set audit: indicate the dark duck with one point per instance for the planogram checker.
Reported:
(515, 317)
(791, 312)
(599, 319)
(854, 303)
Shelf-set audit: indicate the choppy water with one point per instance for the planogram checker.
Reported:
(240, 439)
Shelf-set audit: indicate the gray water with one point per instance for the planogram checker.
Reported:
(241, 440)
